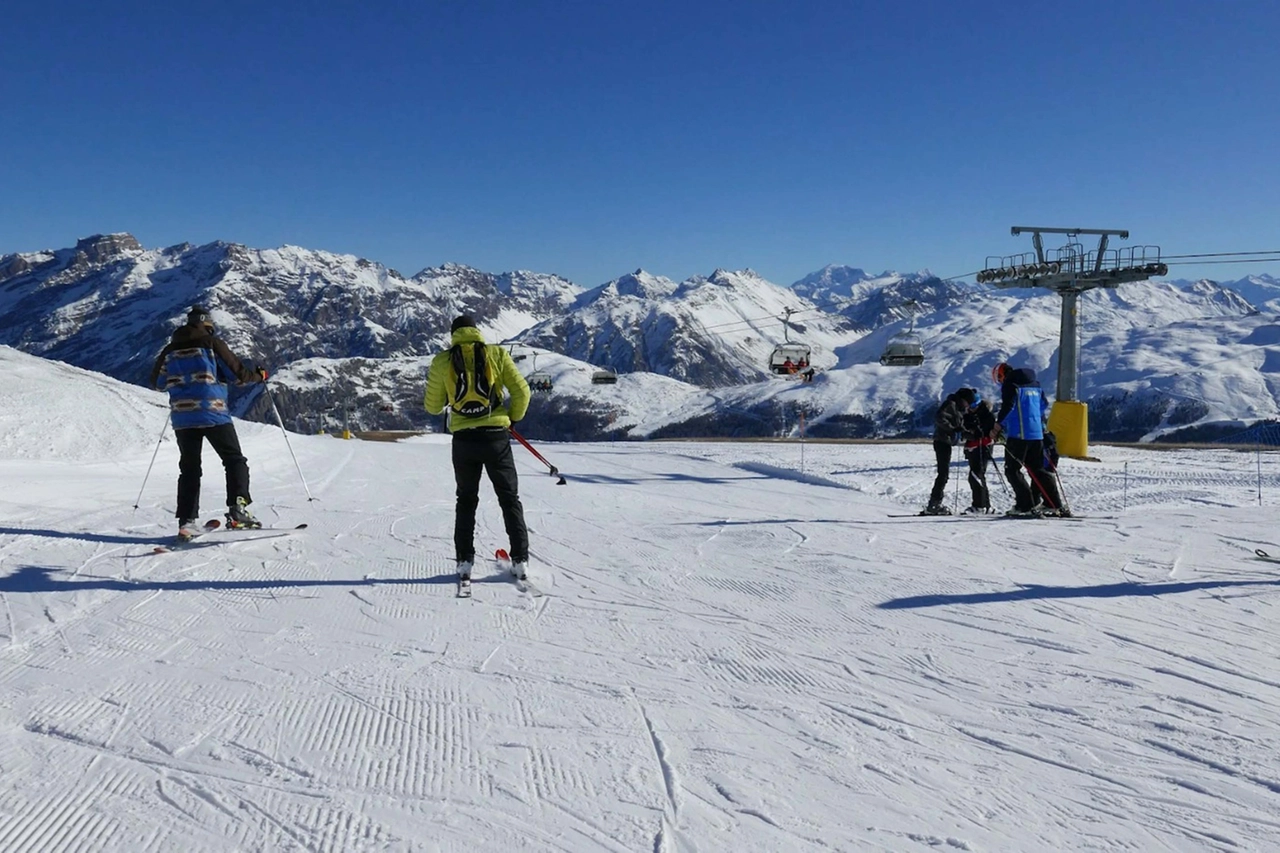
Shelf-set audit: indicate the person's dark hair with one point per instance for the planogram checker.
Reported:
(198, 316)
(462, 321)
(967, 394)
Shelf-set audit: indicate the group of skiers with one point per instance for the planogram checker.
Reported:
(470, 380)
(964, 417)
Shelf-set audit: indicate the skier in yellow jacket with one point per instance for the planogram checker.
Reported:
(467, 381)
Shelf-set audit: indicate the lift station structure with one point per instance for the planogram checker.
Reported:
(1070, 271)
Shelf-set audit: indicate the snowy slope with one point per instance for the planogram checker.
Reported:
(737, 649)
(53, 411)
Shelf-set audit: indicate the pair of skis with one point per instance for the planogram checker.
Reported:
(942, 515)
(994, 516)
(214, 524)
(503, 559)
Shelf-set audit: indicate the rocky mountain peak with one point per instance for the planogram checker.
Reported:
(101, 248)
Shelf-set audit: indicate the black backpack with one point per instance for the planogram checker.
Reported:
(473, 394)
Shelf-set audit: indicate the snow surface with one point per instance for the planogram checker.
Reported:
(737, 649)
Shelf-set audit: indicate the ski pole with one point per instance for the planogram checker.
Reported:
(555, 472)
(1043, 491)
(955, 495)
(1002, 472)
(999, 469)
(285, 432)
(159, 441)
(978, 470)
(1057, 478)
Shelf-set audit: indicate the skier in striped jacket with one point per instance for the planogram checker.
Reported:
(196, 366)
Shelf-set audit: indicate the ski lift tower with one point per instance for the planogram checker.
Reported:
(1071, 271)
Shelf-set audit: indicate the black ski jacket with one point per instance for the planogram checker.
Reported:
(978, 423)
(949, 422)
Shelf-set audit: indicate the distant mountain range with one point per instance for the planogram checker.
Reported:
(350, 338)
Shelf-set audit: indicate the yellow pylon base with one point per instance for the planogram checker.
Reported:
(1069, 423)
(346, 433)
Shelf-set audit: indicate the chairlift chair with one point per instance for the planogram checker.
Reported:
(605, 376)
(903, 350)
(539, 380)
(789, 358)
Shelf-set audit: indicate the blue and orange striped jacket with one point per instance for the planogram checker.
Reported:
(197, 366)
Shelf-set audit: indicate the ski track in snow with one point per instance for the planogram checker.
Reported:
(728, 656)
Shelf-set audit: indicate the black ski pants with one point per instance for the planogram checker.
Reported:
(226, 444)
(941, 449)
(486, 449)
(1029, 452)
(979, 458)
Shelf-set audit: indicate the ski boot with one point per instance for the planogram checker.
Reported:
(935, 509)
(239, 517)
(189, 528)
(1036, 511)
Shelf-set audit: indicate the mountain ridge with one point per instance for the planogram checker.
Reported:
(349, 335)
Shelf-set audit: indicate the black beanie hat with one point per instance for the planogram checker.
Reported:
(197, 316)
(461, 321)
(966, 394)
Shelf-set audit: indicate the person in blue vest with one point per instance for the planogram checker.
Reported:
(1023, 412)
(196, 366)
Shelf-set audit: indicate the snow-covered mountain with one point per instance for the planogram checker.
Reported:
(1137, 343)
(110, 305)
(350, 339)
(1262, 290)
(713, 331)
(871, 301)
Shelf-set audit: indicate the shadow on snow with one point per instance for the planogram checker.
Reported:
(40, 579)
(109, 538)
(1034, 592)
(611, 480)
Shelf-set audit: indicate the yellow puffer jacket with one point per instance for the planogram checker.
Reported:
(505, 375)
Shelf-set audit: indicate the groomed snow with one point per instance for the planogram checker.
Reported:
(737, 649)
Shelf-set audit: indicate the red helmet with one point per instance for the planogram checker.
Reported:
(999, 372)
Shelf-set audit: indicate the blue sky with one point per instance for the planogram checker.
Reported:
(592, 138)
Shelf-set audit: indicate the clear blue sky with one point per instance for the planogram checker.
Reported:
(591, 138)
